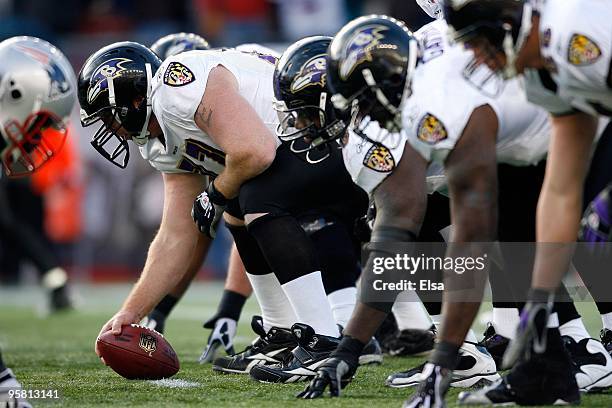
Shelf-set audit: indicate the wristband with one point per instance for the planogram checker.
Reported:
(215, 196)
(349, 346)
(392, 234)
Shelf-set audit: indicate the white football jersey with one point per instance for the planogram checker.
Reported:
(370, 161)
(576, 43)
(445, 93)
(178, 87)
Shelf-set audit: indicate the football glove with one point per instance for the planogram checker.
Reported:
(336, 373)
(208, 209)
(435, 381)
(221, 336)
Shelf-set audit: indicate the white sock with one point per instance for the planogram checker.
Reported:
(575, 329)
(342, 303)
(307, 296)
(409, 312)
(275, 307)
(437, 321)
(505, 321)
(471, 336)
(553, 321)
(606, 320)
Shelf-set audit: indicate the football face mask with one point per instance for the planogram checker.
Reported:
(29, 145)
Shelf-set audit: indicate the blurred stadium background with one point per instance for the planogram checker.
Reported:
(98, 218)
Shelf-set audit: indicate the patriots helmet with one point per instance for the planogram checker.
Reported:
(114, 87)
(370, 65)
(173, 44)
(490, 27)
(37, 94)
(308, 119)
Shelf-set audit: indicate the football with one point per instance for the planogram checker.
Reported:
(138, 353)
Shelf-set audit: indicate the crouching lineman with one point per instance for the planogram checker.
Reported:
(303, 97)
(167, 46)
(37, 94)
(210, 113)
(563, 47)
(440, 135)
(237, 286)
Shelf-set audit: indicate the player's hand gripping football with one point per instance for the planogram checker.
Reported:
(208, 209)
(336, 373)
(120, 319)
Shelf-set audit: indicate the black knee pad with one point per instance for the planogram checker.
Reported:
(336, 252)
(286, 247)
(252, 258)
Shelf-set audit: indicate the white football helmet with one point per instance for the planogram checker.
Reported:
(37, 94)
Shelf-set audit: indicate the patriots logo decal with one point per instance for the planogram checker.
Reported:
(59, 80)
(311, 73)
(431, 130)
(359, 48)
(178, 74)
(379, 159)
(582, 50)
(99, 80)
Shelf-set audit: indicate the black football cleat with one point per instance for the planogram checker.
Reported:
(371, 354)
(542, 380)
(386, 332)
(269, 348)
(412, 342)
(606, 339)
(496, 345)
(312, 351)
(475, 368)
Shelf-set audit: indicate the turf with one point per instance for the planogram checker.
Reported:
(56, 352)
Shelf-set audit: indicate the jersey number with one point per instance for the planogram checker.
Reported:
(199, 151)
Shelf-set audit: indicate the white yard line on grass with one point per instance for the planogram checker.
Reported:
(170, 383)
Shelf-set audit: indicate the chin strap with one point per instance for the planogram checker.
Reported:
(143, 137)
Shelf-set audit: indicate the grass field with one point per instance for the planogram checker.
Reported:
(57, 353)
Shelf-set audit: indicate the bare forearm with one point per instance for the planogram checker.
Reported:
(237, 171)
(196, 263)
(167, 262)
